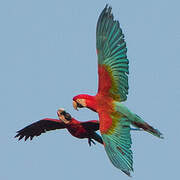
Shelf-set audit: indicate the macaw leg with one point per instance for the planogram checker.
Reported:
(95, 136)
(90, 141)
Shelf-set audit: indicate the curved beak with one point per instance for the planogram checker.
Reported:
(75, 105)
(59, 111)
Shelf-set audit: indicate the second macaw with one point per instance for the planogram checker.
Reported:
(76, 128)
(115, 118)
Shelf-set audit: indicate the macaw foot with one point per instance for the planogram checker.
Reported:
(90, 141)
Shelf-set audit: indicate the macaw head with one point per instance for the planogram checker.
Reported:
(84, 100)
(64, 116)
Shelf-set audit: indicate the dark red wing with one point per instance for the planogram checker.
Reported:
(39, 127)
(91, 125)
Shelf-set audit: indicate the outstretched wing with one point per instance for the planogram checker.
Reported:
(39, 127)
(112, 59)
(116, 136)
(91, 125)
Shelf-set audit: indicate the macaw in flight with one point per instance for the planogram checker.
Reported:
(76, 128)
(115, 118)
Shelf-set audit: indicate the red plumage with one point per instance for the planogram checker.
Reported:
(76, 128)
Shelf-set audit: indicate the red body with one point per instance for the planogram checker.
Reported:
(76, 128)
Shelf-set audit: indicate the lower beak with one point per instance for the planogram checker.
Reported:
(75, 105)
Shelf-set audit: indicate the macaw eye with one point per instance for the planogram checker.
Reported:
(63, 113)
(66, 115)
(79, 105)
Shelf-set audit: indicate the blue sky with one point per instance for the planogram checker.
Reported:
(48, 56)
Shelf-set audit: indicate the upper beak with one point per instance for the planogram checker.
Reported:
(59, 111)
(75, 105)
(59, 116)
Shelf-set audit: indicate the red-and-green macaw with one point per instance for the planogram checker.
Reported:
(115, 118)
(76, 128)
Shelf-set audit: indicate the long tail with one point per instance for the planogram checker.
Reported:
(138, 122)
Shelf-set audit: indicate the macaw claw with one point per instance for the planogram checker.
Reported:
(90, 141)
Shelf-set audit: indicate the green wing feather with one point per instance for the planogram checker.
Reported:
(118, 146)
(111, 51)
